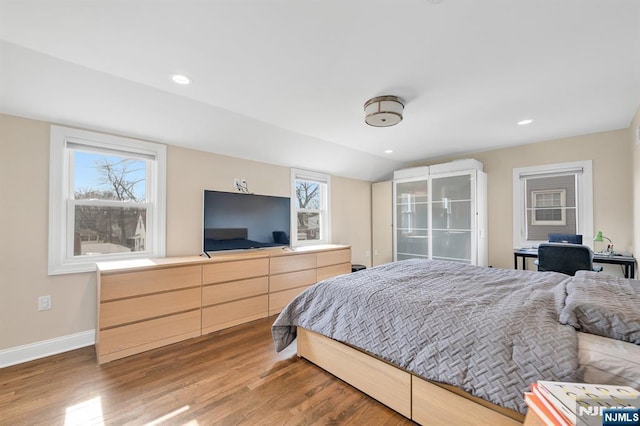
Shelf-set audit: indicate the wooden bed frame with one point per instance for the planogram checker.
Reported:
(415, 398)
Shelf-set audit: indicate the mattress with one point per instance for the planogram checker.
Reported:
(606, 360)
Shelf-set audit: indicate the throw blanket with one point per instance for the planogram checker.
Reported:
(491, 332)
(603, 305)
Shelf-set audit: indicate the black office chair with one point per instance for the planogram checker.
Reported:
(565, 258)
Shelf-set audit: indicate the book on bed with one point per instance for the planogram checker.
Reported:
(538, 402)
(546, 414)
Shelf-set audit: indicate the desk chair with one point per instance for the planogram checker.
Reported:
(565, 258)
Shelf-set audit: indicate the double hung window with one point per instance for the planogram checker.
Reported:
(552, 199)
(106, 199)
(310, 208)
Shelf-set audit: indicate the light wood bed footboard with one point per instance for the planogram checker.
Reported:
(415, 398)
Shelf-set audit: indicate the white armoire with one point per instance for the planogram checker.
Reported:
(440, 212)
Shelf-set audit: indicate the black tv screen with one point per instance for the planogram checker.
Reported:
(238, 221)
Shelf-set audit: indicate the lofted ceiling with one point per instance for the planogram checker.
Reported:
(284, 81)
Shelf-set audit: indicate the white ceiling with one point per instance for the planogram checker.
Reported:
(284, 81)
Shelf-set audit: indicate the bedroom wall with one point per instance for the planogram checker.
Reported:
(189, 172)
(635, 147)
(24, 191)
(351, 217)
(612, 186)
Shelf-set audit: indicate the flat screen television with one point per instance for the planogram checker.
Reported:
(239, 221)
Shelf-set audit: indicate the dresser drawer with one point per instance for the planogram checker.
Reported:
(299, 262)
(292, 280)
(145, 307)
(334, 257)
(332, 271)
(235, 270)
(233, 313)
(220, 293)
(277, 301)
(149, 334)
(117, 286)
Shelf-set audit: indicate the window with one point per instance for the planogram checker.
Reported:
(310, 208)
(548, 207)
(106, 199)
(552, 199)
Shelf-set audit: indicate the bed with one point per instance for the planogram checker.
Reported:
(442, 335)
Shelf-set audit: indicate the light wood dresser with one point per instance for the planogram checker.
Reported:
(148, 303)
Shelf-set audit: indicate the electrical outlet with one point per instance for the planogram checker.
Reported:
(44, 303)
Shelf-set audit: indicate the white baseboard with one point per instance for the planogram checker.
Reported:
(20, 354)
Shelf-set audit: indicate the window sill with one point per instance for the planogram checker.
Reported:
(77, 267)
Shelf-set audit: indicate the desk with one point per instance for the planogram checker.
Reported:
(629, 262)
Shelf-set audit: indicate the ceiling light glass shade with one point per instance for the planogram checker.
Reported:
(383, 111)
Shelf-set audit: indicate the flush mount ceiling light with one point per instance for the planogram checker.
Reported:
(525, 122)
(383, 111)
(180, 79)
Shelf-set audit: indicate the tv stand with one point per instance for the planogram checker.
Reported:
(148, 303)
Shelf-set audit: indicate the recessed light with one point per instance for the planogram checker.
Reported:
(180, 79)
(388, 151)
(525, 122)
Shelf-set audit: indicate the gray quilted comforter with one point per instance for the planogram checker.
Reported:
(603, 305)
(491, 332)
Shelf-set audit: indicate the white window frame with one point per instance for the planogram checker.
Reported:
(584, 195)
(62, 139)
(562, 207)
(325, 210)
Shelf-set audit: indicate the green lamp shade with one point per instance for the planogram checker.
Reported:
(598, 237)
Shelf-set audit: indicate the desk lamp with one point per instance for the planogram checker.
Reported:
(599, 238)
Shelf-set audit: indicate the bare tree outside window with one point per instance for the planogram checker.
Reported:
(308, 207)
(110, 214)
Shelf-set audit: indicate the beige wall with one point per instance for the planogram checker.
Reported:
(190, 172)
(635, 148)
(612, 185)
(24, 191)
(24, 216)
(351, 217)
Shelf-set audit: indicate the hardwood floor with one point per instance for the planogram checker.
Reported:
(226, 378)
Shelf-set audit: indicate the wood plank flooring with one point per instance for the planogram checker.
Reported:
(231, 377)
